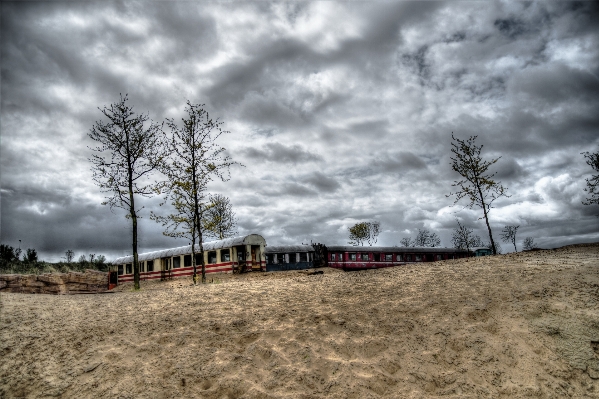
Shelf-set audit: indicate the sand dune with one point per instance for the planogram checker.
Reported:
(522, 325)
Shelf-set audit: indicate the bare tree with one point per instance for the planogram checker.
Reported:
(529, 243)
(426, 238)
(219, 219)
(464, 238)
(477, 185)
(374, 228)
(406, 242)
(125, 158)
(359, 233)
(195, 160)
(69, 255)
(364, 232)
(593, 183)
(508, 234)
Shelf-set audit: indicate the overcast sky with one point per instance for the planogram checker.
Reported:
(341, 112)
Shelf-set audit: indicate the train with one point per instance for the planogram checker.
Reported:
(249, 253)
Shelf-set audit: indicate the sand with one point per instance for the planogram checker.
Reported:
(513, 326)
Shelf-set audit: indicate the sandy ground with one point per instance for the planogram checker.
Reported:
(523, 325)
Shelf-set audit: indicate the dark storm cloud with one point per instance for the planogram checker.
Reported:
(351, 105)
(280, 153)
(322, 183)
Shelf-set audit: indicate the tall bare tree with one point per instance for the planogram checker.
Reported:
(194, 160)
(477, 184)
(593, 183)
(219, 219)
(126, 156)
(508, 234)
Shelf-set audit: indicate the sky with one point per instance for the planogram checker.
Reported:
(339, 112)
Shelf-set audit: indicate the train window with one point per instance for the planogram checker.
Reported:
(186, 260)
(176, 262)
(150, 265)
(198, 259)
(120, 270)
(212, 257)
(141, 267)
(365, 257)
(303, 256)
(408, 258)
(377, 257)
(389, 257)
(333, 257)
(439, 257)
(352, 257)
(340, 257)
(418, 258)
(398, 258)
(225, 255)
(128, 268)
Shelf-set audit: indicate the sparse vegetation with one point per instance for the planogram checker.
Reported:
(30, 264)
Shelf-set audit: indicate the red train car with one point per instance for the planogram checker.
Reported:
(356, 258)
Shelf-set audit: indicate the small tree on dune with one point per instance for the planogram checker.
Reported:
(358, 233)
(364, 232)
(477, 184)
(464, 238)
(529, 243)
(508, 234)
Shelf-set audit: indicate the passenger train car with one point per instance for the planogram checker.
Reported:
(244, 253)
(289, 257)
(250, 253)
(354, 257)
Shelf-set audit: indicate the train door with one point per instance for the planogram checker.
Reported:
(165, 269)
(256, 258)
(240, 258)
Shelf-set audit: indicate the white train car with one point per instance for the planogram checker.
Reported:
(243, 253)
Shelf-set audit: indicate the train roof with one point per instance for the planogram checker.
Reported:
(289, 248)
(251, 239)
(352, 248)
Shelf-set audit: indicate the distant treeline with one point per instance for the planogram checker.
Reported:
(13, 261)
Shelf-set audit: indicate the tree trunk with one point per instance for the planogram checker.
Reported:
(486, 219)
(135, 256)
(193, 260)
(201, 238)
